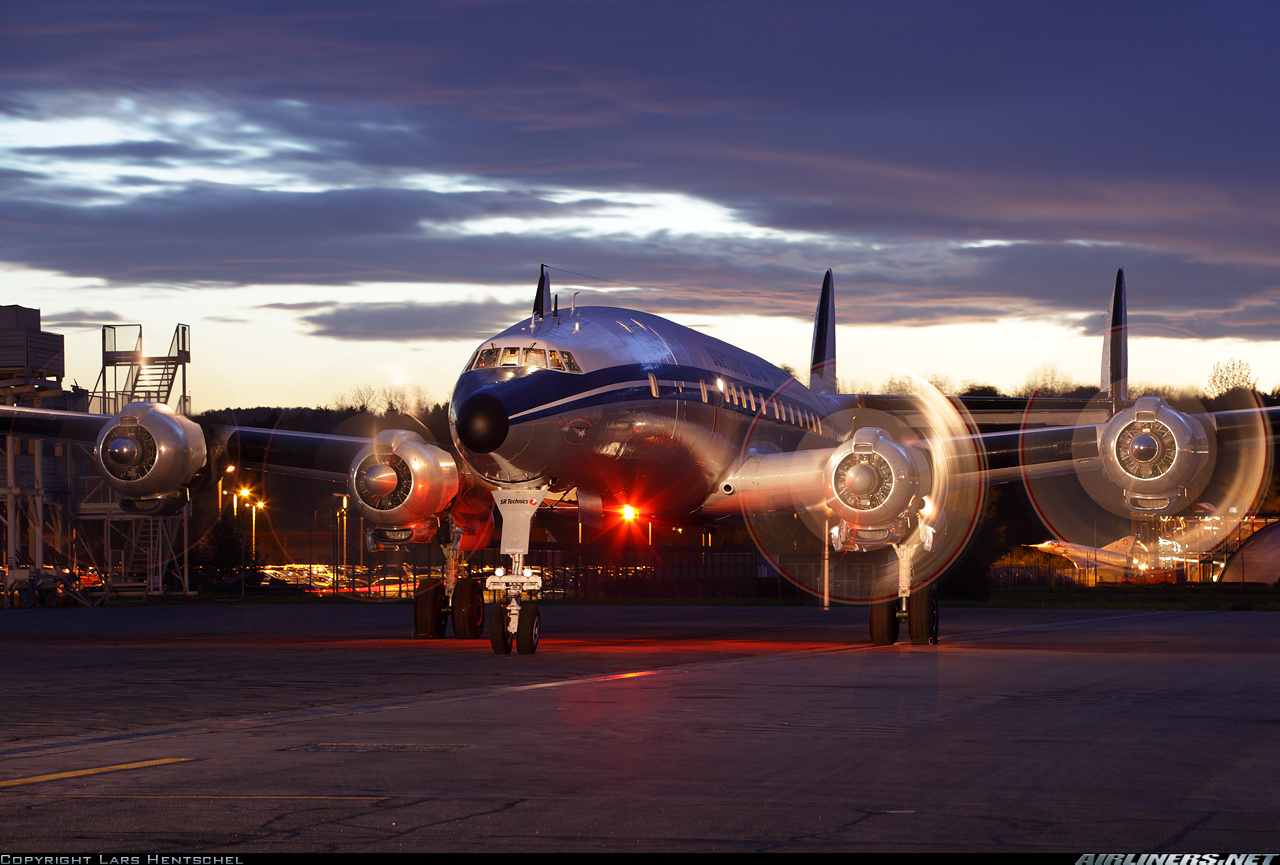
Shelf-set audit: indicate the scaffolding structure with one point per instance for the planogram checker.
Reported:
(139, 554)
(59, 516)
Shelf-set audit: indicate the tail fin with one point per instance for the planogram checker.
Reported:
(1124, 545)
(542, 300)
(822, 371)
(1115, 349)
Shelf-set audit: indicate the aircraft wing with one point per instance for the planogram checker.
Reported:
(62, 426)
(1148, 459)
(177, 438)
(154, 458)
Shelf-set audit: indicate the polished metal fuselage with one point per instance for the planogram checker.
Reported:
(659, 416)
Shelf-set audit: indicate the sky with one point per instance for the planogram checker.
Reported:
(336, 194)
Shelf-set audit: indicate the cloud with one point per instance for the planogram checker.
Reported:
(413, 321)
(139, 152)
(304, 306)
(79, 318)
(339, 146)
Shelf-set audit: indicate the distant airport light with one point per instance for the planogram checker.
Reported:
(628, 513)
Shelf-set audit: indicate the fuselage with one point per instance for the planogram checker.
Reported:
(626, 407)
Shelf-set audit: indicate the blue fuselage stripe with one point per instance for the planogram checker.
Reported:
(544, 393)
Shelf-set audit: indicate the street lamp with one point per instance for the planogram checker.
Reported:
(229, 470)
(253, 534)
(342, 519)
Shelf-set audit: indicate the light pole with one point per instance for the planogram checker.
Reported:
(253, 534)
(235, 518)
(229, 470)
(342, 517)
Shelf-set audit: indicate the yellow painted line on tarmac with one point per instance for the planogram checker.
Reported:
(36, 779)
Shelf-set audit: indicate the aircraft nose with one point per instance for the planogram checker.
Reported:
(482, 423)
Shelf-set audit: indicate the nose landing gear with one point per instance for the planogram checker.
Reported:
(513, 622)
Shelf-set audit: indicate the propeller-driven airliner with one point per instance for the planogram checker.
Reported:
(626, 411)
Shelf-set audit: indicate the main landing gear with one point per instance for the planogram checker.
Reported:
(434, 606)
(919, 611)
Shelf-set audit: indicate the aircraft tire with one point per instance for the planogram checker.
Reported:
(922, 617)
(499, 636)
(24, 598)
(529, 629)
(430, 613)
(468, 610)
(884, 623)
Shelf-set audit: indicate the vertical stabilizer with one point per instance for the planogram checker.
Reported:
(1115, 350)
(822, 371)
(1124, 545)
(542, 300)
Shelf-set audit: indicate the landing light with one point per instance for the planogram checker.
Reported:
(628, 513)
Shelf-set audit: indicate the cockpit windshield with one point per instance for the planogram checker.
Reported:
(535, 358)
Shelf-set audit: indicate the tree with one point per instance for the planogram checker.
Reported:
(973, 388)
(1230, 375)
(1048, 380)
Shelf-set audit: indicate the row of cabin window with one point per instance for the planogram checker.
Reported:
(540, 358)
(785, 412)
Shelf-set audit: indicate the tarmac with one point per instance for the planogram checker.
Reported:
(239, 729)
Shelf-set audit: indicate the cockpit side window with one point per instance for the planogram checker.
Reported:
(570, 363)
(553, 359)
(488, 357)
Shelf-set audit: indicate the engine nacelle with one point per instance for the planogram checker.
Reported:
(401, 480)
(1159, 458)
(148, 452)
(876, 485)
